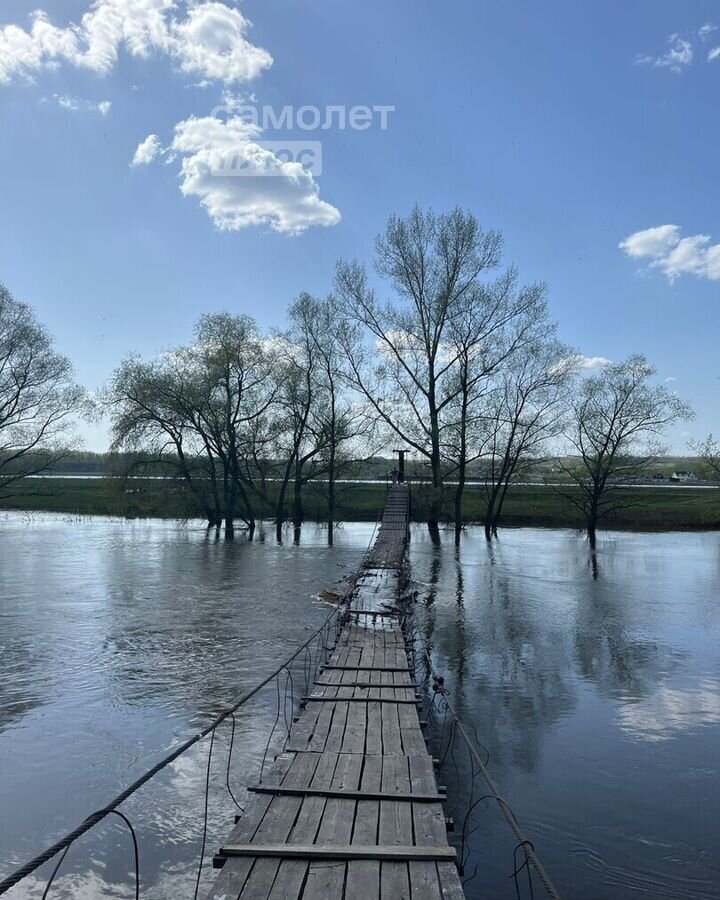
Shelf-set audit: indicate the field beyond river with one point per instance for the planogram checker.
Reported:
(649, 508)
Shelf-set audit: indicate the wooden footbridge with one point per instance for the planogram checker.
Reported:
(351, 809)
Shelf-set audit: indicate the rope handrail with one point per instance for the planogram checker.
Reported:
(96, 817)
(523, 842)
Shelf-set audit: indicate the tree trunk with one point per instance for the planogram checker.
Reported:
(458, 502)
(230, 500)
(498, 507)
(298, 512)
(592, 519)
(490, 512)
(436, 499)
(280, 505)
(331, 496)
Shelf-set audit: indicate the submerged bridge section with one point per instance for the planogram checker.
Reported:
(351, 809)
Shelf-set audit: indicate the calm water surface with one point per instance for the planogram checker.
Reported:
(597, 698)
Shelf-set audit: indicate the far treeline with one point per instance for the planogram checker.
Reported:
(458, 362)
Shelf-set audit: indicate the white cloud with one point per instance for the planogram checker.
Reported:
(209, 40)
(591, 363)
(706, 30)
(679, 55)
(77, 104)
(205, 39)
(673, 254)
(670, 379)
(67, 102)
(651, 241)
(147, 151)
(714, 54)
(271, 191)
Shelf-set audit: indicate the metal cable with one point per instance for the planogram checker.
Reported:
(509, 816)
(94, 818)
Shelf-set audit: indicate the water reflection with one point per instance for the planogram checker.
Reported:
(120, 640)
(592, 679)
(598, 699)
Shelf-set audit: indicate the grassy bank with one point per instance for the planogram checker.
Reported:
(673, 508)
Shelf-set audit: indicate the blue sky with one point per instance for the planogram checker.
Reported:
(575, 128)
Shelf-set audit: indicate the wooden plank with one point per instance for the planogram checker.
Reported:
(369, 684)
(291, 872)
(429, 827)
(315, 698)
(362, 794)
(233, 876)
(326, 880)
(337, 727)
(411, 735)
(391, 741)
(318, 738)
(368, 668)
(363, 876)
(275, 828)
(395, 826)
(355, 729)
(390, 855)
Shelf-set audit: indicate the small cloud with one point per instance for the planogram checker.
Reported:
(147, 151)
(651, 241)
(591, 363)
(714, 54)
(67, 102)
(78, 104)
(706, 30)
(268, 191)
(679, 55)
(665, 249)
(670, 379)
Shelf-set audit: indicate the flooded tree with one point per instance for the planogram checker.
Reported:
(618, 417)
(525, 414)
(151, 405)
(500, 327)
(433, 264)
(38, 398)
(203, 402)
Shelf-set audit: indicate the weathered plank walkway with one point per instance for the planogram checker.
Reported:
(351, 809)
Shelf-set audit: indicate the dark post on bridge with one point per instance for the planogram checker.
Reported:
(401, 465)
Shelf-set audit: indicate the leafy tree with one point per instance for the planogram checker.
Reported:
(38, 398)
(618, 417)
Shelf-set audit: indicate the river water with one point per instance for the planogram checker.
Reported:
(593, 685)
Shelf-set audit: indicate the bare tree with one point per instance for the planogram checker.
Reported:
(37, 396)
(709, 452)
(343, 428)
(526, 415)
(298, 438)
(618, 417)
(500, 322)
(433, 264)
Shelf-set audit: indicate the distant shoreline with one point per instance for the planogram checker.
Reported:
(657, 508)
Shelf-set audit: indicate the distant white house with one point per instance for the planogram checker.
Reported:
(683, 476)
